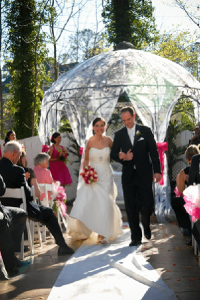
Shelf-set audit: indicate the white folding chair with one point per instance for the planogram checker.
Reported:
(20, 194)
(36, 225)
(45, 188)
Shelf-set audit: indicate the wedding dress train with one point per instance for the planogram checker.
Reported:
(94, 209)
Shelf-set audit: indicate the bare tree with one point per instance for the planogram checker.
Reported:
(191, 9)
(59, 10)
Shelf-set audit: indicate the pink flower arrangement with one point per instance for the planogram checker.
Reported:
(45, 148)
(60, 199)
(192, 202)
(89, 175)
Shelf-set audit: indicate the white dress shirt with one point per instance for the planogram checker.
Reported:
(131, 133)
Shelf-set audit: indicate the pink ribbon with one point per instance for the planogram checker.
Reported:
(162, 147)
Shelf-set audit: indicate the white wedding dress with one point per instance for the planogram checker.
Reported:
(94, 209)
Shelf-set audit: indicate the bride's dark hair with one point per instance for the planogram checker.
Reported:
(97, 120)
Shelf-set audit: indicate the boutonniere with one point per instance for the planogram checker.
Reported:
(138, 133)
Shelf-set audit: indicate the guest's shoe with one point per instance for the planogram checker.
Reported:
(13, 273)
(21, 263)
(147, 234)
(135, 243)
(189, 242)
(63, 250)
(26, 248)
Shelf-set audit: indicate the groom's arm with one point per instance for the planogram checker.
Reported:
(116, 148)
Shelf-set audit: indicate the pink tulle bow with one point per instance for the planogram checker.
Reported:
(81, 150)
(162, 147)
(176, 191)
(191, 203)
(45, 148)
(61, 197)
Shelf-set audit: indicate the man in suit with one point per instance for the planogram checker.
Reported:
(135, 148)
(12, 225)
(14, 177)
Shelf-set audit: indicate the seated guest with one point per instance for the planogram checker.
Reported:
(195, 140)
(41, 162)
(30, 175)
(12, 225)
(194, 177)
(178, 202)
(43, 175)
(14, 177)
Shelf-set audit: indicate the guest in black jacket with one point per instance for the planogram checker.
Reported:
(12, 225)
(182, 216)
(14, 177)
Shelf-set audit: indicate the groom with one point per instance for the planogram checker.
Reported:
(135, 148)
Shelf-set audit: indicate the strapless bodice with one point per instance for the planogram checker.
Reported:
(99, 156)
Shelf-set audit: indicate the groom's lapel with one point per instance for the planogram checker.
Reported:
(127, 138)
(136, 135)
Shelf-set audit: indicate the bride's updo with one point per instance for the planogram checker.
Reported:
(97, 120)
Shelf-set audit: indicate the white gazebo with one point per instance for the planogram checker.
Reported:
(92, 88)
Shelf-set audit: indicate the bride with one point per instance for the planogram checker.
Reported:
(94, 209)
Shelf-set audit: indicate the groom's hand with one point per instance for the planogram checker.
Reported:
(126, 156)
(156, 177)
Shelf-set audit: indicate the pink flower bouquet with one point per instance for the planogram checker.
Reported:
(63, 155)
(191, 196)
(89, 175)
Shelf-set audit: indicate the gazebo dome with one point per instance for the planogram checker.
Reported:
(92, 88)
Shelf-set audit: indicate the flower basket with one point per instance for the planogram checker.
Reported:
(89, 175)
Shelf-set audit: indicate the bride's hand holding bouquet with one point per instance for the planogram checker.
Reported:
(89, 175)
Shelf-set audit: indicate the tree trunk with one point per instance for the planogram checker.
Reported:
(1, 89)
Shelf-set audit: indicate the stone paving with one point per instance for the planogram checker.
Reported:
(166, 252)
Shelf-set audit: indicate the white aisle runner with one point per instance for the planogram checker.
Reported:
(112, 271)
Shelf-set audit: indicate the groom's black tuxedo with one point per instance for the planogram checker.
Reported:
(137, 175)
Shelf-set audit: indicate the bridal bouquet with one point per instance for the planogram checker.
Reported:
(89, 175)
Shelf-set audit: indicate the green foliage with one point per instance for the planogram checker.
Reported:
(131, 21)
(180, 47)
(27, 54)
